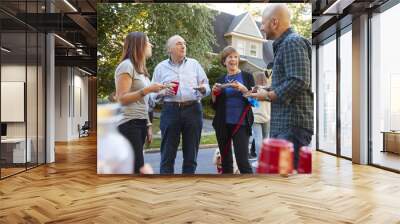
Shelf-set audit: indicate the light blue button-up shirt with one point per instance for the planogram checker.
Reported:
(189, 73)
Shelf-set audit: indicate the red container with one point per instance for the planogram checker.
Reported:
(276, 157)
(175, 88)
(305, 160)
(217, 92)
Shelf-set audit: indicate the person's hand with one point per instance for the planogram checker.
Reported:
(239, 87)
(155, 88)
(261, 94)
(167, 92)
(149, 138)
(216, 87)
(201, 88)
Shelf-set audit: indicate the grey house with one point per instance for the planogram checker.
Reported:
(243, 33)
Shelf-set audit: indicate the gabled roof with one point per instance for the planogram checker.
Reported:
(245, 24)
(221, 25)
(268, 52)
(235, 22)
(225, 23)
(255, 61)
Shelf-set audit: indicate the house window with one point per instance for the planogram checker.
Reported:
(240, 47)
(253, 50)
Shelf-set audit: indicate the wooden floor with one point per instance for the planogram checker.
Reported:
(69, 191)
(387, 159)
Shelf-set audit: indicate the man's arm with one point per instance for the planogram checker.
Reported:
(297, 70)
(202, 80)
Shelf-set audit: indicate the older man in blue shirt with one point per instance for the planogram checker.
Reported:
(292, 106)
(182, 111)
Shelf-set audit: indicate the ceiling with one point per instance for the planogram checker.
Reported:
(74, 22)
(330, 15)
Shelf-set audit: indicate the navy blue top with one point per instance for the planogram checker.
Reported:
(234, 100)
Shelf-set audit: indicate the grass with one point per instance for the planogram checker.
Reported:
(207, 139)
(208, 112)
(156, 125)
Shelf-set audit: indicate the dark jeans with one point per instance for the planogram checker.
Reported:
(299, 137)
(241, 149)
(135, 131)
(175, 121)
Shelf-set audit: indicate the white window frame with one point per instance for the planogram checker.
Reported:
(251, 50)
(241, 47)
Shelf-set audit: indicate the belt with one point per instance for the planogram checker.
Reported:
(182, 104)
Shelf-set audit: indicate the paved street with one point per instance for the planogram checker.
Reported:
(204, 162)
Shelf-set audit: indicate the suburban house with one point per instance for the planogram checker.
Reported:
(243, 33)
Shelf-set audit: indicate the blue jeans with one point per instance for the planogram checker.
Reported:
(260, 132)
(299, 137)
(175, 121)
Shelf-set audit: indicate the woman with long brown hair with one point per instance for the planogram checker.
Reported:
(132, 88)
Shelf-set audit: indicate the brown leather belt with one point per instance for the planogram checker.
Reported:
(182, 104)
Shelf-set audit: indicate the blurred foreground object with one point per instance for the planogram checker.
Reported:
(114, 153)
(276, 156)
(305, 160)
(146, 169)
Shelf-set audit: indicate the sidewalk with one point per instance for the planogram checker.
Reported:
(205, 163)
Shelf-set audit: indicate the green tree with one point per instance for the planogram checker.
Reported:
(159, 21)
(301, 18)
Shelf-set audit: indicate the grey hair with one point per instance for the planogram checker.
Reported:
(169, 43)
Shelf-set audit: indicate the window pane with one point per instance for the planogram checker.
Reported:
(327, 97)
(14, 153)
(346, 94)
(253, 50)
(385, 88)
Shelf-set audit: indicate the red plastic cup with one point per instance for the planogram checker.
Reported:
(276, 156)
(305, 160)
(216, 92)
(175, 88)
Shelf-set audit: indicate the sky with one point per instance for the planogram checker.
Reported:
(237, 8)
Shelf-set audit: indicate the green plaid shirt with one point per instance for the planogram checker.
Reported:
(291, 81)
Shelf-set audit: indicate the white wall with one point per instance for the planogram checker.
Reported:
(71, 102)
(61, 103)
(33, 126)
(16, 73)
(247, 43)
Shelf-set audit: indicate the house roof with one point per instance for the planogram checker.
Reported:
(221, 24)
(235, 22)
(268, 52)
(225, 23)
(255, 61)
